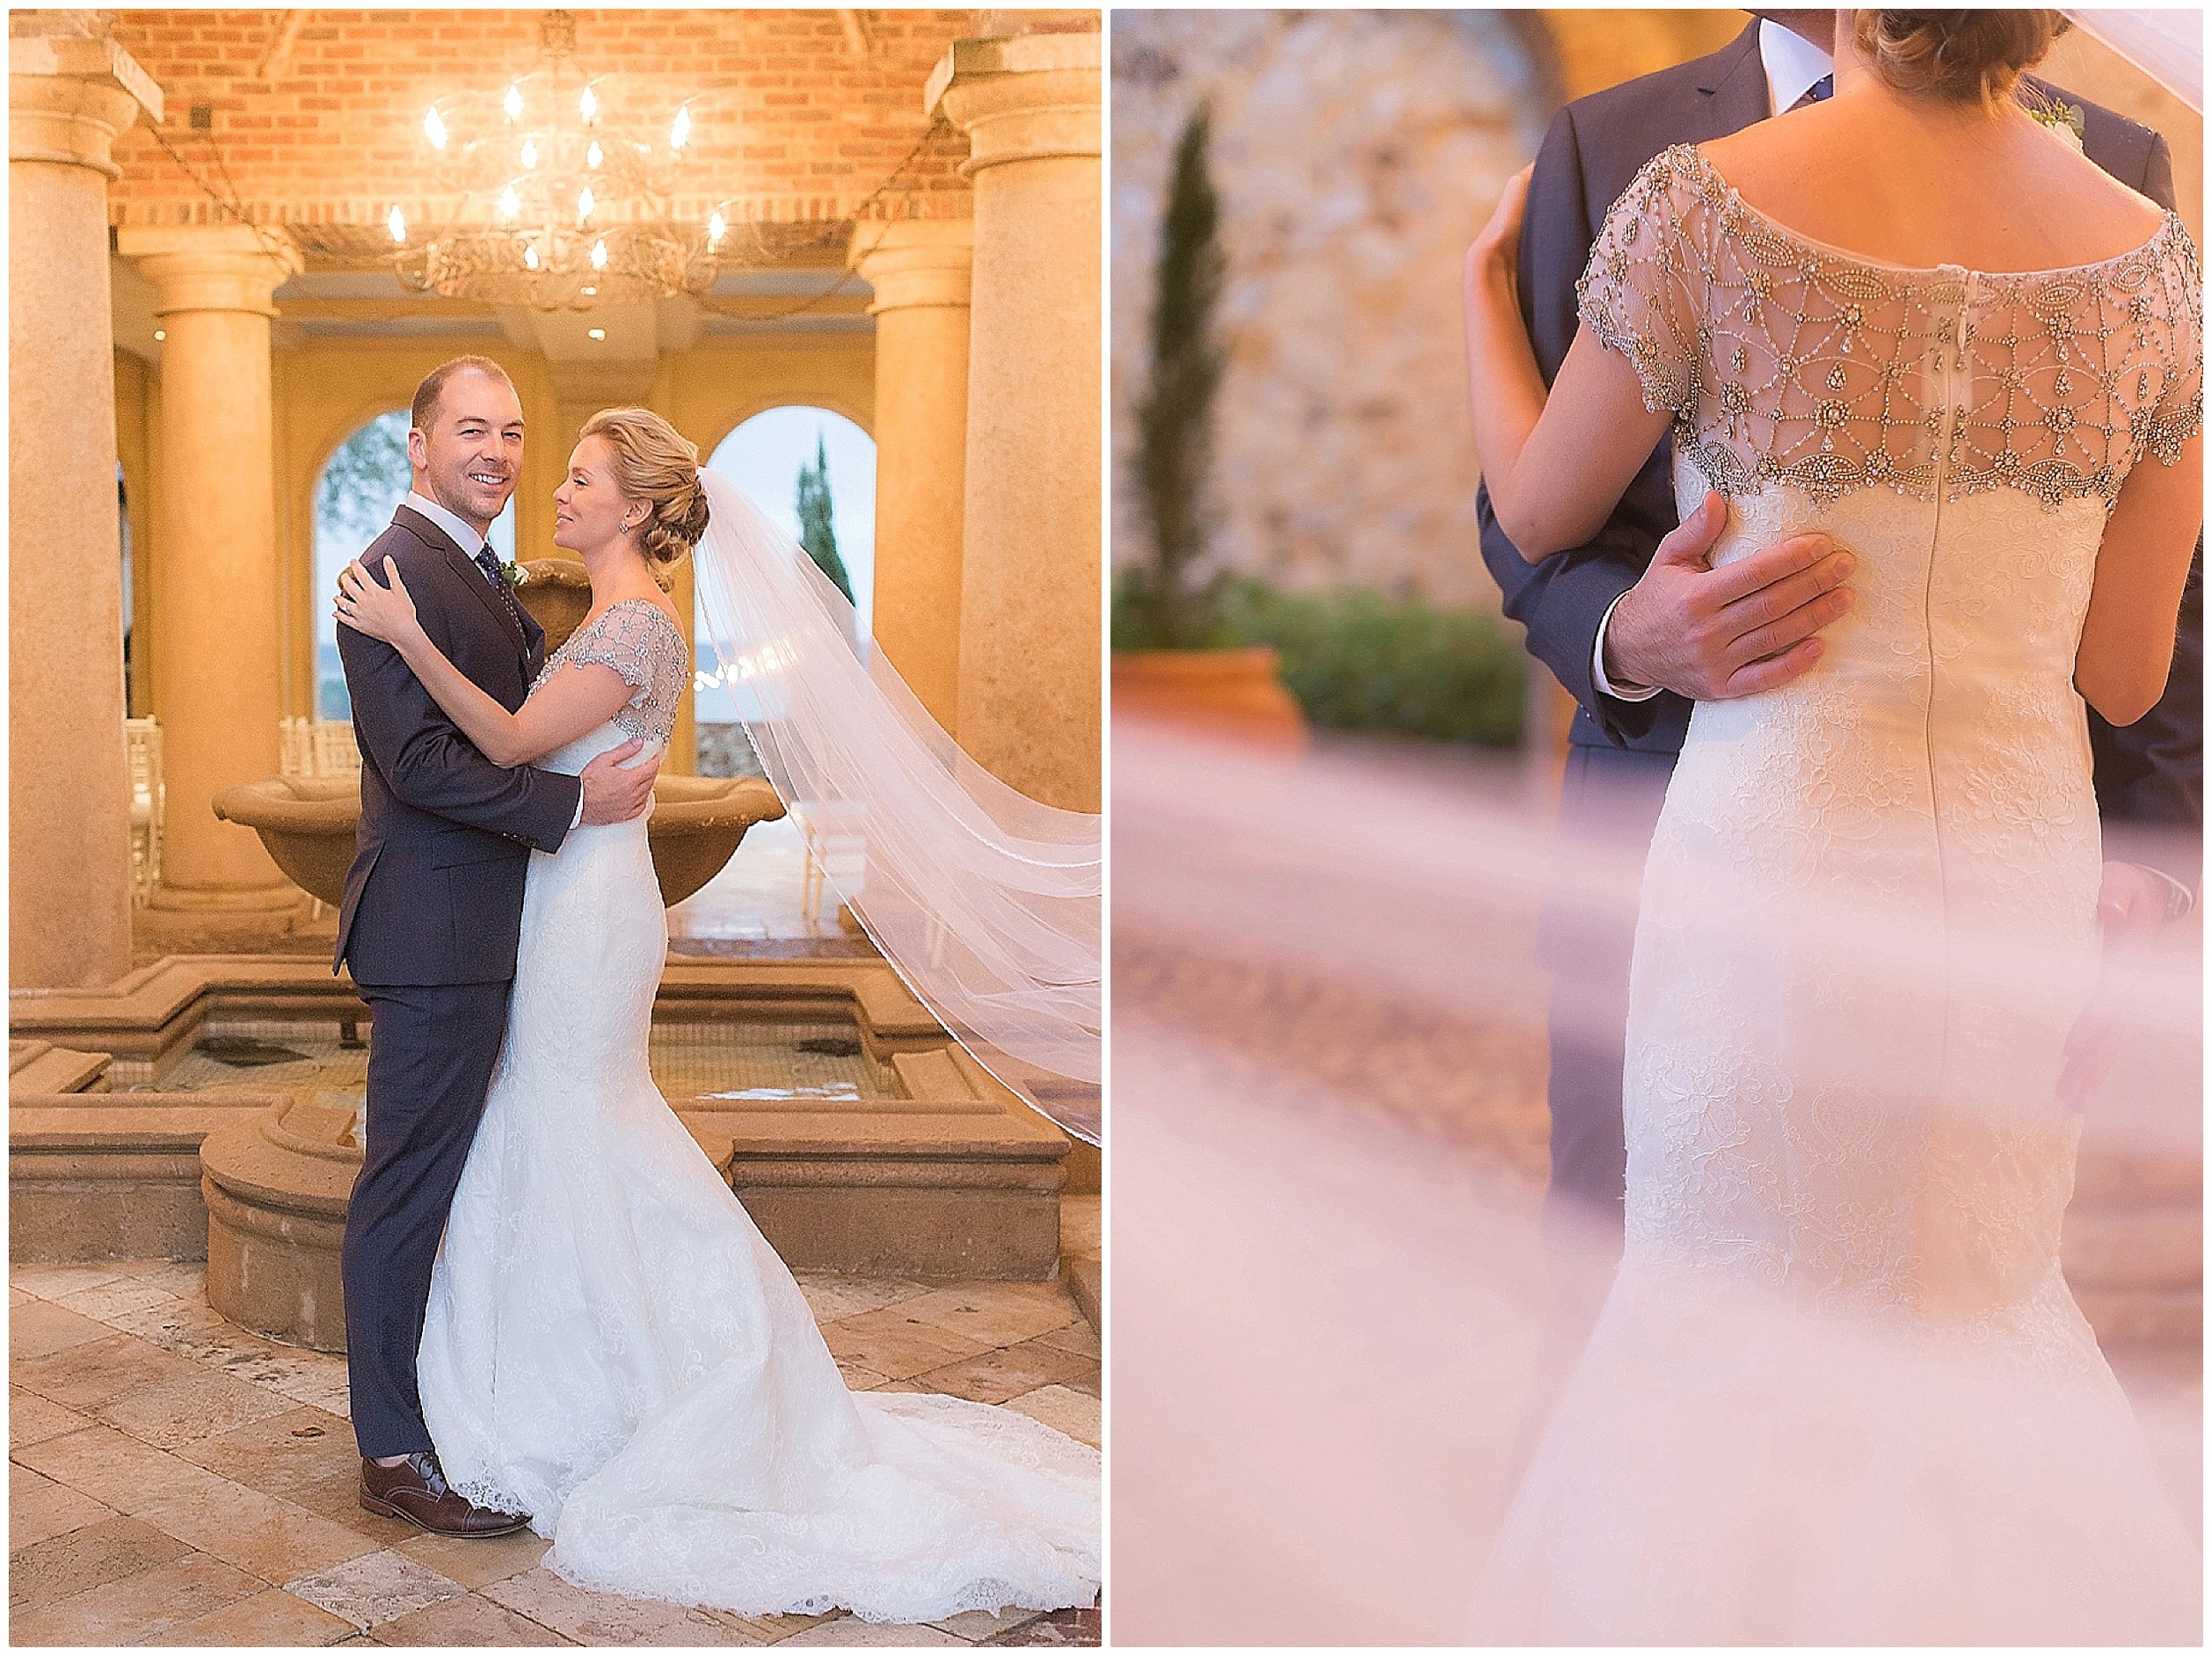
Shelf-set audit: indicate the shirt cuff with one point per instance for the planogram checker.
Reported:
(2180, 899)
(577, 820)
(1606, 687)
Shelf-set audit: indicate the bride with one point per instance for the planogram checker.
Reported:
(1839, 1392)
(611, 1345)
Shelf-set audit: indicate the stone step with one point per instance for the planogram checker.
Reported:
(37, 1067)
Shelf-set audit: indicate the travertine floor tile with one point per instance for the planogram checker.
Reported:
(771, 1629)
(994, 1314)
(137, 1607)
(468, 1621)
(377, 1587)
(476, 1564)
(887, 1342)
(104, 1464)
(975, 1625)
(832, 1297)
(859, 1379)
(176, 1413)
(853, 1631)
(39, 1510)
(31, 1418)
(273, 1538)
(271, 1618)
(86, 1558)
(110, 1300)
(603, 1618)
(996, 1375)
(291, 1448)
(51, 1282)
(35, 1331)
(84, 1376)
(1080, 1337)
(1064, 1409)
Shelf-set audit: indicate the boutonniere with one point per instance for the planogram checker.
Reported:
(2066, 119)
(513, 574)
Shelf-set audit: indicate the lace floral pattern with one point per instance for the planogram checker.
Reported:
(613, 1347)
(637, 639)
(1785, 361)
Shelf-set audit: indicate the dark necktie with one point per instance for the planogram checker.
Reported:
(1824, 87)
(487, 561)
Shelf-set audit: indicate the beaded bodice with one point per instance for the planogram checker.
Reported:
(1786, 361)
(635, 637)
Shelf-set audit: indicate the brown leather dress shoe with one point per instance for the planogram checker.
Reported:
(416, 1489)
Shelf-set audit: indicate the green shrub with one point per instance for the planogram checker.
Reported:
(1360, 659)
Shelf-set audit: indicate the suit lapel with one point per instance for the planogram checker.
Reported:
(1733, 91)
(464, 566)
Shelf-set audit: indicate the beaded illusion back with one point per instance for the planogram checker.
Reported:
(1785, 361)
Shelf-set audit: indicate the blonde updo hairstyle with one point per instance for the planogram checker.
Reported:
(656, 464)
(1959, 57)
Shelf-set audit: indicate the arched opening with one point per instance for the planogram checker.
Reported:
(813, 472)
(366, 477)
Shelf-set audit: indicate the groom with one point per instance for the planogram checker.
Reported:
(1637, 627)
(432, 910)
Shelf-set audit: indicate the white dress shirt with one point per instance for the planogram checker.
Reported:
(470, 540)
(1792, 63)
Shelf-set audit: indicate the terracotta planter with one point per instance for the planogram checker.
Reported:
(1235, 692)
(307, 823)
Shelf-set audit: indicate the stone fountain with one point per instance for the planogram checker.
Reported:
(307, 822)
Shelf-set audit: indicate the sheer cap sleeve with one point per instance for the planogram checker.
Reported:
(1639, 292)
(637, 639)
(2176, 413)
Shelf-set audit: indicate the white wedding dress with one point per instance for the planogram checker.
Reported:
(1839, 1392)
(612, 1347)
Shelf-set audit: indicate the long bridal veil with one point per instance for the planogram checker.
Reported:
(2166, 44)
(985, 902)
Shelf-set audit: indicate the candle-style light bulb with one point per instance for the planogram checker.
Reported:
(510, 203)
(599, 253)
(680, 131)
(530, 255)
(397, 226)
(593, 155)
(433, 129)
(588, 105)
(512, 103)
(584, 203)
(717, 228)
(529, 154)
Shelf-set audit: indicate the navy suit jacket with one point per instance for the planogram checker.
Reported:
(434, 894)
(2149, 775)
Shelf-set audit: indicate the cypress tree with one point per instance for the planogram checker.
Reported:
(817, 532)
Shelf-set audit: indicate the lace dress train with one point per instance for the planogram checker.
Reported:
(612, 1346)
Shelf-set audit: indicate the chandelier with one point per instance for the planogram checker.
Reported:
(565, 202)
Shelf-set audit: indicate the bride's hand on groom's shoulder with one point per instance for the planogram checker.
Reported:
(385, 612)
(1495, 254)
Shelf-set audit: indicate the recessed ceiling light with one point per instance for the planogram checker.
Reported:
(160, 334)
(597, 333)
(591, 292)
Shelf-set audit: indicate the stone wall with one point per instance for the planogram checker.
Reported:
(1355, 154)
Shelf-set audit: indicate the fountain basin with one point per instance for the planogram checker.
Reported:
(307, 822)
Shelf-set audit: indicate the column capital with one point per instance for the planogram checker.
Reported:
(69, 96)
(1021, 99)
(212, 267)
(913, 261)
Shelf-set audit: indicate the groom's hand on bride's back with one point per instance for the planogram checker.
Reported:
(613, 793)
(1712, 634)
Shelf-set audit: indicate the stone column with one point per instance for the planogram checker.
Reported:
(218, 658)
(920, 269)
(1029, 700)
(69, 833)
